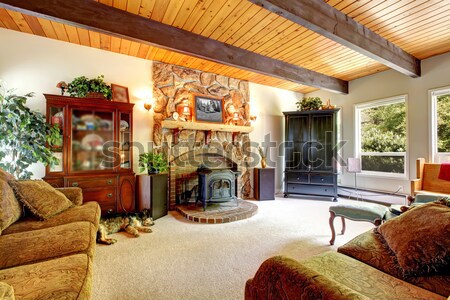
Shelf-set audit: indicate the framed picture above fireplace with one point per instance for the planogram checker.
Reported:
(208, 108)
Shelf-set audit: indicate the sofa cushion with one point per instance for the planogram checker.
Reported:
(68, 277)
(37, 245)
(365, 279)
(43, 200)
(89, 211)
(370, 249)
(417, 238)
(10, 207)
(6, 291)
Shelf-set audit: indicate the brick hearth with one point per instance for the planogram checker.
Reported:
(218, 213)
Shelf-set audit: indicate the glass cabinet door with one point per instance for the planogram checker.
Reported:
(56, 120)
(125, 140)
(92, 139)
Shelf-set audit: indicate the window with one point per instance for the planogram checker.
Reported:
(381, 139)
(440, 125)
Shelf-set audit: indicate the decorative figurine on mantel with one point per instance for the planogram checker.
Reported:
(328, 105)
(63, 86)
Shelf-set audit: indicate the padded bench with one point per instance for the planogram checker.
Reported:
(358, 211)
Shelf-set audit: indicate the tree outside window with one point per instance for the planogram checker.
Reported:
(381, 136)
(440, 125)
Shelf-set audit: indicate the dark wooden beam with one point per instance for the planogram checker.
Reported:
(109, 20)
(324, 19)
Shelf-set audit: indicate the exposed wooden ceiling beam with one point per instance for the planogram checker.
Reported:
(326, 20)
(102, 18)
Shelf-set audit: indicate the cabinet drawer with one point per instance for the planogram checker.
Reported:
(86, 183)
(297, 177)
(310, 189)
(322, 178)
(106, 198)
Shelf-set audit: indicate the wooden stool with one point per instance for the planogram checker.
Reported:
(358, 211)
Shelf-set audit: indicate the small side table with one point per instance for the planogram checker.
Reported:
(264, 183)
(152, 194)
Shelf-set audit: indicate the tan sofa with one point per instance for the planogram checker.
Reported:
(361, 269)
(49, 259)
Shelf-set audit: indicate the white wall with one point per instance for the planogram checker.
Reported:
(32, 63)
(435, 73)
(268, 104)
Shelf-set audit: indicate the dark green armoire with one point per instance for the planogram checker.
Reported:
(311, 153)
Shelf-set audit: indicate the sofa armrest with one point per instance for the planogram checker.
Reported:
(416, 185)
(284, 278)
(74, 194)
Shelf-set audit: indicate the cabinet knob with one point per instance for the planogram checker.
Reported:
(298, 178)
(321, 179)
(109, 195)
(110, 211)
(109, 181)
(75, 184)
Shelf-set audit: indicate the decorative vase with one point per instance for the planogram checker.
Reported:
(263, 163)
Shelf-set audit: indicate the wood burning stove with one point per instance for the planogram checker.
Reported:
(216, 185)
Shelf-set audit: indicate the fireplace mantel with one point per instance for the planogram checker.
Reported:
(172, 124)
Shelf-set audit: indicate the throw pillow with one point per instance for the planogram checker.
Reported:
(5, 175)
(419, 238)
(10, 207)
(43, 200)
(6, 291)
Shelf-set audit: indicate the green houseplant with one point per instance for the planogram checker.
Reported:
(310, 103)
(23, 135)
(83, 87)
(153, 162)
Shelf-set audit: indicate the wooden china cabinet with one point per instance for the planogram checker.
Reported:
(95, 152)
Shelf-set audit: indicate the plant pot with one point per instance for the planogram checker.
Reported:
(95, 95)
(151, 170)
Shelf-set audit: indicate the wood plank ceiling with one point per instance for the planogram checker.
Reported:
(420, 27)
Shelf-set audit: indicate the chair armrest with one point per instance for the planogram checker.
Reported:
(74, 194)
(284, 278)
(416, 185)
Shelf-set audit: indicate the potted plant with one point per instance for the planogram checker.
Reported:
(154, 163)
(310, 103)
(23, 135)
(84, 87)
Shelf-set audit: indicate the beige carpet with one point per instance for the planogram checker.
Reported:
(185, 260)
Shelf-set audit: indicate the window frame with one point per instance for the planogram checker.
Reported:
(357, 108)
(432, 95)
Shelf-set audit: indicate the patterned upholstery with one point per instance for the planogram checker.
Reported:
(284, 278)
(368, 248)
(49, 259)
(32, 246)
(89, 212)
(364, 279)
(360, 211)
(10, 207)
(68, 277)
(328, 276)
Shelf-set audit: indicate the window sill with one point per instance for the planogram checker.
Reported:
(383, 175)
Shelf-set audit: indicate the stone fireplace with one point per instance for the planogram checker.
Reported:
(203, 144)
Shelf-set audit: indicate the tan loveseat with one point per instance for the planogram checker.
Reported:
(49, 259)
(364, 268)
(427, 181)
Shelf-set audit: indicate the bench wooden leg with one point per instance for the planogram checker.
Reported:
(343, 225)
(331, 221)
